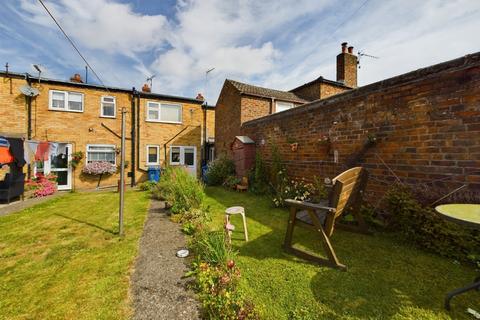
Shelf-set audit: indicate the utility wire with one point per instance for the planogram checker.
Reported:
(72, 43)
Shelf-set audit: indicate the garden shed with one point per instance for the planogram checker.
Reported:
(243, 149)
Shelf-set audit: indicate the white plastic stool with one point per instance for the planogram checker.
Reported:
(237, 210)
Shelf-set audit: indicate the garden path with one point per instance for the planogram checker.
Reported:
(158, 290)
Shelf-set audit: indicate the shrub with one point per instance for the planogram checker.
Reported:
(180, 189)
(211, 248)
(424, 227)
(287, 188)
(218, 170)
(258, 178)
(231, 182)
(147, 186)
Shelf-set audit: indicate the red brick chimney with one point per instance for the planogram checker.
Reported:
(347, 66)
(146, 88)
(76, 78)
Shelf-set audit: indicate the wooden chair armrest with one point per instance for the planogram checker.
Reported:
(308, 205)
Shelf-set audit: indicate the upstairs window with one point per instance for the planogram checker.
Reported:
(66, 101)
(153, 154)
(164, 112)
(107, 108)
(101, 152)
(282, 106)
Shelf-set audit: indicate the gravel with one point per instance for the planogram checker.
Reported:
(158, 290)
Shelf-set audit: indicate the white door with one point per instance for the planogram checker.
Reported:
(184, 156)
(59, 165)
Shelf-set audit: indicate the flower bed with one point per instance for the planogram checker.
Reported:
(41, 186)
(214, 270)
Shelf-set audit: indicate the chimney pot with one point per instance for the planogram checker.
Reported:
(200, 97)
(146, 88)
(350, 50)
(76, 78)
(344, 47)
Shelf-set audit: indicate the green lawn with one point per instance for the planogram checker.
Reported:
(386, 279)
(63, 260)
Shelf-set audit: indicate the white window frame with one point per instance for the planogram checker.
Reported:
(101, 145)
(114, 107)
(65, 94)
(158, 154)
(158, 106)
(291, 104)
(180, 156)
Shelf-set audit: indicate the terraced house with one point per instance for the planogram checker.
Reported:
(161, 129)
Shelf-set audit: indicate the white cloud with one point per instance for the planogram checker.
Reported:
(275, 43)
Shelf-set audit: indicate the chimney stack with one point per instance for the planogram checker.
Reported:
(146, 88)
(76, 78)
(347, 66)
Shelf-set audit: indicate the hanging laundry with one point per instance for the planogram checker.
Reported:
(62, 148)
(27, 152)
(53, 150)
(5, 155)
(16, 149)
(42, 151)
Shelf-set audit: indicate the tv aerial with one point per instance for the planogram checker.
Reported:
(29, 91)
(363, 54)
(150, 80)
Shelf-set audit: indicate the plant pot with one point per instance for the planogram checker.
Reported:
(294, 146)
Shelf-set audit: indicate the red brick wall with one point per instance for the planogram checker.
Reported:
(255, 107)
(427, 125)
(227, 119)
(328, 90)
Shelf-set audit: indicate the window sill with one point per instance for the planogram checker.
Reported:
(108, 117)
(166, 122)
(63, 110)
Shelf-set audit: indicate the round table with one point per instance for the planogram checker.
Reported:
(467, 215)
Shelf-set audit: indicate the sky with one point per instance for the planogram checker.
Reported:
(278, 44)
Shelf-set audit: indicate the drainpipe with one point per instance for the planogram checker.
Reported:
(138, 132)
(28, 100)
(132, 151)
(204, 153)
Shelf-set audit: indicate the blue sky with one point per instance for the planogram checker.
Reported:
(275, 43)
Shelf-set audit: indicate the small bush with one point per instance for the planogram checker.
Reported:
(424, 227)
(287, 188)
(218, 170)
(211, 248)
(147, 186)
(231, 182)
(258, 178)
(180, 189)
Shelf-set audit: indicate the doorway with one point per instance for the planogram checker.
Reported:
(184, 156)
(59, 165)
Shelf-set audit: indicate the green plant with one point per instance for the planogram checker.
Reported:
(287, 188)
(76, 159)
(420, 224)
(147, 185)
(218, 170)
(231, 181)
(211, 247)
(276, 167)
(180, 189)
(258, 178)
(318, 190)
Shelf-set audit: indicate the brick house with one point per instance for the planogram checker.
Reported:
(240, 102)
(161, 129)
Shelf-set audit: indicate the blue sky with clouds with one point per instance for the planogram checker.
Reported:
(274, 43)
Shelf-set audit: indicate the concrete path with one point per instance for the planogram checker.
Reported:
(158, 290)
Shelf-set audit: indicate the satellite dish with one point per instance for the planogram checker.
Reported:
(29, 91)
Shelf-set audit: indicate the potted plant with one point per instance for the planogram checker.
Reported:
(99, 168)
(76, 159)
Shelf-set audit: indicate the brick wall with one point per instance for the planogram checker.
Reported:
(227, 119)
(328, 90)
(427, 125)
(308, 92)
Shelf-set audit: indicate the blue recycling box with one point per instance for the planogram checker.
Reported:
(153, 173)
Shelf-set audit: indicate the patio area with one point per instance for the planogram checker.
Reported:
(387, 278)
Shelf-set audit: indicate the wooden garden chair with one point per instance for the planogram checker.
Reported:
(346, 193)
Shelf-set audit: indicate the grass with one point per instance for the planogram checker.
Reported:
(62, 259)
(387, 278)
